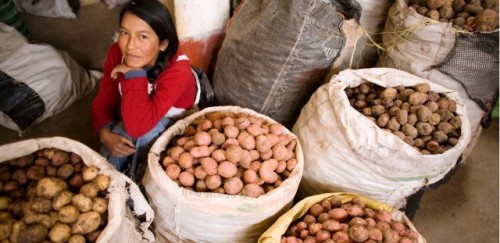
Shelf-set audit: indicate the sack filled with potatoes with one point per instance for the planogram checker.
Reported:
(58, 190)
(341, 217)
(216, 163)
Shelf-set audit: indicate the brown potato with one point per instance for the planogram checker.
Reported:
(82, 203)
(86, 223)
(90, 190)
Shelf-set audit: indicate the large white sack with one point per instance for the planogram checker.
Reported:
(345, 151)
(186, 216)
(129, 214)
(37, 80)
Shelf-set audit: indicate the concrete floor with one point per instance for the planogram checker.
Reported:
(463, 210)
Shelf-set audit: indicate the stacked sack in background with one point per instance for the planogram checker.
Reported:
(451, 43)
(277, 53)
(230, 166)
(58, 189)
(386, 146)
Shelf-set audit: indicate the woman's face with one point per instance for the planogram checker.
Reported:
(138, 42)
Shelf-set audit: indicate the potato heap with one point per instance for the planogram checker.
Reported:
(229, 153)
(468, 15)
(334, 221)
(422, 118)
(51, 195)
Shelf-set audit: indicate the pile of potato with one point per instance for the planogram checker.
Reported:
(468, 15)
(420, 117)
(229, 153)
(51, 195)
(334, 221)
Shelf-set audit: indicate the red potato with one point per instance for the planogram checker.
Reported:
(218, 155)
(323, 235)
(273, 139)
(200, 151)
(181, 141)
(331, 225)
(242, 123)
(227, 121)
(173, 171)
(264, 129)
(186, 160)
(255, 166)
(338, 214)
(213, 182)
(358, 233)
(189, 145)
(250, 176)
(357, 221)
(167, 160)
(280, 152)
(209, 165)
(316, 209)
(383, 216)
(217, 124)
(218, 138)
(231, 131)
(252, 190)
(201, 186)
(254, 155)
(202, 138)
(314, 228)
(233, 186)
(186, 179)
(174, 152)
(262, 144)
(227, 169)
(284, 139)
(266, 172)
(276, 128)
(355, 211)
(281, 167)
(246, 141)
(234, 153)
(291, 146)
(204, 124)
(290, 164)
(230, 142)
(199, 173)
(246, 159)
(375, 234)
(254, 130)
(266, 155)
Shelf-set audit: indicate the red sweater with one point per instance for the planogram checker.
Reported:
(140, 110)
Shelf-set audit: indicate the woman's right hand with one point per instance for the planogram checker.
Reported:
(116, 144)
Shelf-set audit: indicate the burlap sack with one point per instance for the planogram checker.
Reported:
(277, 53)
(129, 214)
(187, 216)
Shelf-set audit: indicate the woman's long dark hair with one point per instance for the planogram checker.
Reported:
(157, 16)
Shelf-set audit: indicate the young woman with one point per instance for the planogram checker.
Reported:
(146, 83)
